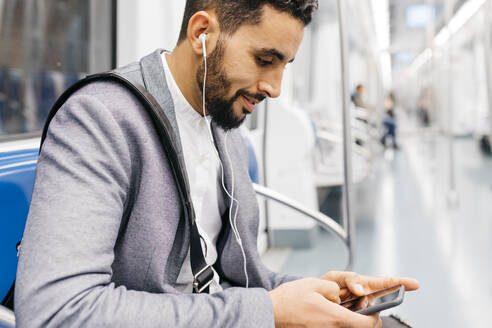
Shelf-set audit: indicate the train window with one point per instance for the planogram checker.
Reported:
(45, 46)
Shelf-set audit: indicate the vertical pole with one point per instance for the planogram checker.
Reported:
(32, 39)
(6, 53)
(1, 14)
(431, 89)
(114, 34)
(102, 35)
(347, 135)
(270, 241)
(313, 57)
(488, 61)
(452, 194)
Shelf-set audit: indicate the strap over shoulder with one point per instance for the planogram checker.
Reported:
(202, 272)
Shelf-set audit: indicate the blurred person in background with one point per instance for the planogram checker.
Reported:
(424, 105)
(357, 96)
(389, 122)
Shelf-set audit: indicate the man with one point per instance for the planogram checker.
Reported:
(389, 121)
(104, 245)
(357, 96)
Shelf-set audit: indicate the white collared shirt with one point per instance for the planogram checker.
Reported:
(204, 174)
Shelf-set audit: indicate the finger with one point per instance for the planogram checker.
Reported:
(327, 289)
(334, 275)
(341, 278)
(379, 323)
(410, 284)
(363, 303)
(376, 321)
(354, 283)
(345, 294)
(375, 284)
(349, 280)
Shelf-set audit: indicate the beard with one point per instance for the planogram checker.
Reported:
(218, 87)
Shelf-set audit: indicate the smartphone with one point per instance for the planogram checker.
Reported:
(376, 302)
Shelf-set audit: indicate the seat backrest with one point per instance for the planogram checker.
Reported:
(17, 171)
(252, 161)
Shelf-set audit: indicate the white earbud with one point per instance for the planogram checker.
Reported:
(203, 39)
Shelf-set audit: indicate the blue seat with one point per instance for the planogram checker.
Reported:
(254, 171)
(17, 171)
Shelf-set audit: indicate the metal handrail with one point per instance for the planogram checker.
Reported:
(330, 137)
(361, 113)
(321, 219)
(359, 129)
(338, 127)
(7, 318)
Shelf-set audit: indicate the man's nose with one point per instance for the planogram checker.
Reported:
(272, 86)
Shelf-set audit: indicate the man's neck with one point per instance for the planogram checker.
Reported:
(183, 65)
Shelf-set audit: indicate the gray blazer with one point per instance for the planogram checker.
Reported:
(103, 245)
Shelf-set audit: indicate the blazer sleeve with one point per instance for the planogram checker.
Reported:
(277, 279)
(64, 273)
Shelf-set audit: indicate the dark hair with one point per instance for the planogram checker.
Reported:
(234, 13)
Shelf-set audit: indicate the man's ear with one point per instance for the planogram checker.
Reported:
(203, 22)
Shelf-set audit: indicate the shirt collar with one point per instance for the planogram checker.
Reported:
(182, 106)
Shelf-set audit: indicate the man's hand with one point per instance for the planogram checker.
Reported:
(315, 303)
(353, 285)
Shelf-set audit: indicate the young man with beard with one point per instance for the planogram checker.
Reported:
(104, 245)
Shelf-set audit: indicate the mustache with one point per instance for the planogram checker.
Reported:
(240, 93)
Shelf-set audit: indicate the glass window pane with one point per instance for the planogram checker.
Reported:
(45, 46)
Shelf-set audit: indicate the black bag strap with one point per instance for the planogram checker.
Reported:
(8, 300)
(202, 272)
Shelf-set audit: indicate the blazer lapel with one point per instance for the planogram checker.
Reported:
(155, 82)
(220, 143)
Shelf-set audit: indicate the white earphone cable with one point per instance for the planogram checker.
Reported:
(232, 222)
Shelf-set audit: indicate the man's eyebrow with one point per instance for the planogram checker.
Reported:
(273, 52)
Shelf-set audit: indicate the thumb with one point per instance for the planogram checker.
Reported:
(355, 286)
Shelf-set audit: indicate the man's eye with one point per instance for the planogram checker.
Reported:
(264, 62)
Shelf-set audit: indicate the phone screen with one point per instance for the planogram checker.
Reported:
(385, 296)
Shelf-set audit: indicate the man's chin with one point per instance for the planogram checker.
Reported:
(230, 124)
(228, 117)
